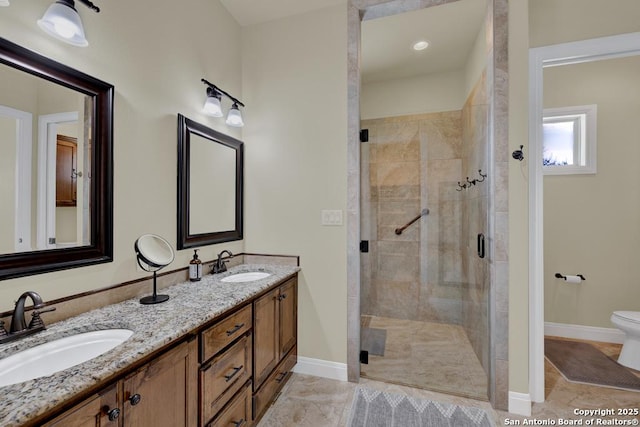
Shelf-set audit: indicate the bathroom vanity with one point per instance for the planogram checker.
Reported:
(216, 353)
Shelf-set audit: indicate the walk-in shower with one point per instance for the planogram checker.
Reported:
(425, 277)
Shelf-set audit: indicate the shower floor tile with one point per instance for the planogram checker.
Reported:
(427, 355)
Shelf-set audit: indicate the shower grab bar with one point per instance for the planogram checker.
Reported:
(422, 213)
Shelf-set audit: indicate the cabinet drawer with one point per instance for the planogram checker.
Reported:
(224, 332)
(238, 412)
(94, 411)
(276, 380)
(224, 376)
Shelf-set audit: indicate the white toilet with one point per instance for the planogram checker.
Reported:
(629, 323)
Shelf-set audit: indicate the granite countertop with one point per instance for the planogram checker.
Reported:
(191, 305)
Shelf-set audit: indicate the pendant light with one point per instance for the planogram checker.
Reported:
(62, 21)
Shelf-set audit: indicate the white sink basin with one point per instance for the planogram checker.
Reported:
(53, 356)
(245, 277)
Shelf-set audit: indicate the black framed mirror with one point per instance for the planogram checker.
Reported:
(210, 185)
(62, 101)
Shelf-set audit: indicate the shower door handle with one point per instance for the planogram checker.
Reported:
(481, 252)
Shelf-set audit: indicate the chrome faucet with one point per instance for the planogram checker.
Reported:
(19, 326)
(220, 265)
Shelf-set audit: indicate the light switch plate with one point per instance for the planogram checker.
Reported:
(331, 217)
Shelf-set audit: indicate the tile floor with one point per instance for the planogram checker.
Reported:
(319, 402)
(427, 355)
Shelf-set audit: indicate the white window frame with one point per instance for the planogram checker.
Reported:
(584, 118)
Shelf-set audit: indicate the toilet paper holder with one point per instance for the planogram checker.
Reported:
(561, 276)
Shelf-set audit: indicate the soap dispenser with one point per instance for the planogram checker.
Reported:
(195, 268)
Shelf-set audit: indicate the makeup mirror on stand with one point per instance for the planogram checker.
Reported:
(153, 253)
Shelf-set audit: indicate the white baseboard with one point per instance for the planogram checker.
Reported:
(520, 403)
(321, 368)
(591, 333)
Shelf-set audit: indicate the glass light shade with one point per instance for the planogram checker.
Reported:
(61, 20)
(234, 118)
(212, 107)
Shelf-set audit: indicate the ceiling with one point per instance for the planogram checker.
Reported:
(450, 28)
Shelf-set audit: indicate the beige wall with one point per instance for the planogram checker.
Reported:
(294, 84)
(560, 21)
(591, 221)
(156, 66)
(518, 204)
(401, 97)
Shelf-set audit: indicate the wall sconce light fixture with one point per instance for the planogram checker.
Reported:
(213, 107)
(62, 21)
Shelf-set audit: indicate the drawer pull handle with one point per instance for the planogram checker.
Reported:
(227, 378)
(135, 399)
(113, 414)
(235, 329)
(238, 423)
(282, 376)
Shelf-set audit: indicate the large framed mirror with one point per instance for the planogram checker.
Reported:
(57, 165)
(210, 185)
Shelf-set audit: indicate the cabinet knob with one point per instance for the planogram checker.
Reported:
(113, 414)
(135, 399)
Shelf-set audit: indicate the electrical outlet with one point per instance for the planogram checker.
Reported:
(331, 217)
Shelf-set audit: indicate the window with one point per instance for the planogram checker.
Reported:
(569, 140)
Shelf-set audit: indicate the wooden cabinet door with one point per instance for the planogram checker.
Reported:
(163, 393)
(100, 410)
(288, 317)
(66, 169)
(265, 337)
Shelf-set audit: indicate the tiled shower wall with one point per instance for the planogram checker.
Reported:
(430, 272)
(475, 220)
(411, 163)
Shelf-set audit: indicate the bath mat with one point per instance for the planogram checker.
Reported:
(373, 340)
(583, 363)
(373, 408)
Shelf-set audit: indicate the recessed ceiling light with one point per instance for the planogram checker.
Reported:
(421, 45)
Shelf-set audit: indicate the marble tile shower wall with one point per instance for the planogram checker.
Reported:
(475, 219)
(431, 272)
(411, 163)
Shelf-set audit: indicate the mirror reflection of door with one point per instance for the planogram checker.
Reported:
(15, 180)
(66, 189)
(61, 180)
